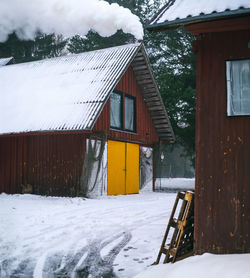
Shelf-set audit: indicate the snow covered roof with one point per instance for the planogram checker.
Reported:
(5, 61)
(68, 92)
(179, 12)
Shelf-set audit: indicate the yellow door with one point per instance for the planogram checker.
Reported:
(123, 168)
(116, 168)
(132, 168)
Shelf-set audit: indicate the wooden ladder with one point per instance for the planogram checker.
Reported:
(181, 244)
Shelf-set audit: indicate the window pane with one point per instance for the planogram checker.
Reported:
(129, 114)
(238, 87)
(115, 110)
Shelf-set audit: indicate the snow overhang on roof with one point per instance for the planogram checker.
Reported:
(69, 92)
(5, 61)
(181, 12)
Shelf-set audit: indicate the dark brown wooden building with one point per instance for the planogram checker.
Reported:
(222, 189)
(78, 124)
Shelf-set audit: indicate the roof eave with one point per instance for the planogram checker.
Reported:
(164, 133)
(196, 19)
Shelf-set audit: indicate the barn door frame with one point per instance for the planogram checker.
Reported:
(123, 168)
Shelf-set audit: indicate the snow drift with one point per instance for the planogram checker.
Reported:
(68, 18)
(205, 266)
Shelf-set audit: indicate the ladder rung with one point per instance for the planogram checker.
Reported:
(172, 252)
(179, 224)
(164, 251)
(188, 196)
(173, 223)
(181, 195)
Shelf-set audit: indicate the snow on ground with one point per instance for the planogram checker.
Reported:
(175, 184)
(205, 266)
(116, 236)
(110, 237)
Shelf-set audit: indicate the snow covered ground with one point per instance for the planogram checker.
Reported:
(174, 184)
(205, 266)
(116, 236)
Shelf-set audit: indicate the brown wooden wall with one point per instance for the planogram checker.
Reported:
(41, 164)
(146, 133)
(222, 205)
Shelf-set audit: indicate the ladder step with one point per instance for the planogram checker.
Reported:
(173, 223)
(181, 195)
(172, 252)
(164, 251)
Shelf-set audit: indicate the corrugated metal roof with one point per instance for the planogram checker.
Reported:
(5, 61)
(177, 12)
(64, 93)
(69, 92)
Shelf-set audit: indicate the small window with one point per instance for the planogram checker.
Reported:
(122, 111)
(116, 110)
(129, 113)
(238, 87)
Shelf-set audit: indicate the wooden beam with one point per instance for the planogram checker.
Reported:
(153, 108)
(143, 77)
(149, 98)
(158, 114)
(145, 81)
(140, 72)
(160, 120)
(149, 92)
(163, 125)
(147, 86)
(139, 67)
(153, 103)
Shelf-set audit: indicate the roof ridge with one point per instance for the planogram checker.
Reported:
(107, 48)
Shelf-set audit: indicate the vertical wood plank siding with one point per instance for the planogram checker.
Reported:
(47, 164)
(222, 204)
(146, 133)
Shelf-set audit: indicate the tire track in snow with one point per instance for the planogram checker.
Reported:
(86, 262)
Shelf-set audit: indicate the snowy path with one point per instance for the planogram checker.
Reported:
(73, 237)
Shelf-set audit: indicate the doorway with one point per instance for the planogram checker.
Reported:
(123, 168)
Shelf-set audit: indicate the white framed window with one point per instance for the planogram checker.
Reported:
(238, 87)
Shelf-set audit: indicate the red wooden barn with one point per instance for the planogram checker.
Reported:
(222, 47)
(80, 124)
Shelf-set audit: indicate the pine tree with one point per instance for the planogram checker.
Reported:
(44, 46)
(174, 67)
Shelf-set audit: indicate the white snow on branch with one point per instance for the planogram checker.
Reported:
(68, 18)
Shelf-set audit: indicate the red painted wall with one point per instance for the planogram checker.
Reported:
(146, 133)
(42, 164)
(222, 206)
